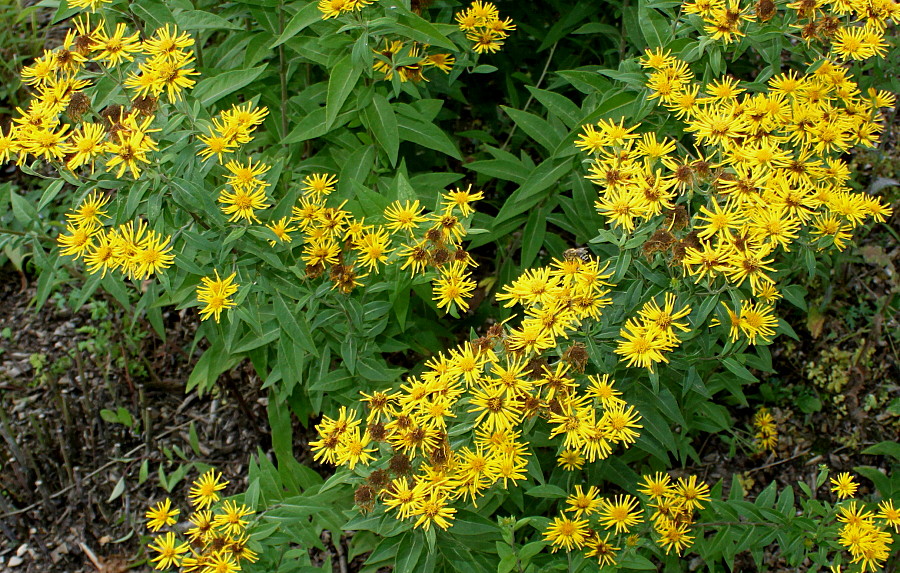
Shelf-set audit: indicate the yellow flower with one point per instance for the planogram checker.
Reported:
(153, 256)
(602, 549)
(243, 202)
(161, 515)
(166, 43)
(101, 255)
(355, 449)
(657, 487)
(222, 562)
(204, 491)
(453, 287)
(216, 294)
(77, 241)
(844, 485)
(622, 513)
(570, 460)
(215, 144)
(373, 248)
(170, 74)
(433, 509)
(116, 48)
(675, 536)
(568, 533)
(91, 4)
(461, 199)
(202, 526)
(496, 410)
(131, 149)
(584, 504)
(281, 230)
(87, 143)
(887, 512)
(231, 522)
(319, 185)
(691, 494)
(169, 551)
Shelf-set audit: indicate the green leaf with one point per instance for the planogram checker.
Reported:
(427, 135)
(533, 236)
(200, 20)
(530, 193)
(50, 193)
(152, 12)
(559, 105)
(194, 439)
(308, 15)
(739, 370)
(796, 295)
(211, 90)
(537, 128)
(422, 31)
(297, 330)
(118, 490)
(382, 122)
(547, 491)
(341, 82)
(500, 169)
(655, 27)
(408, 553)
(638, 562)
(886, 448)
(313, 126)
(23, 210)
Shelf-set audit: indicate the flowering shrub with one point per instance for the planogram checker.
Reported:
(293, 171)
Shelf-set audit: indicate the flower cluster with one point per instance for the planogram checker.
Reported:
(766, 430)
(482, 24)
(493, 387)
(588, 518)
(131, 248)
(556, 299)
(231, 129)
(217, 540)
(764, 177)
(865, 535)
(349, 248)
(409, 60)
(117, 136)
(673, 507)
(245, 191)
(652, 333)
(854, 28)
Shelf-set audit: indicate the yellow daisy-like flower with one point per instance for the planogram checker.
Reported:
(844, 485)
(404, 216)
(169, 551)
(567, 533)
(232, 521)
(622, 513)
(281, 229)
(570, 460)
(77, 240)
(204, 491)
(319, 185)
(161, 515)
(243, 203)
(216, 295)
